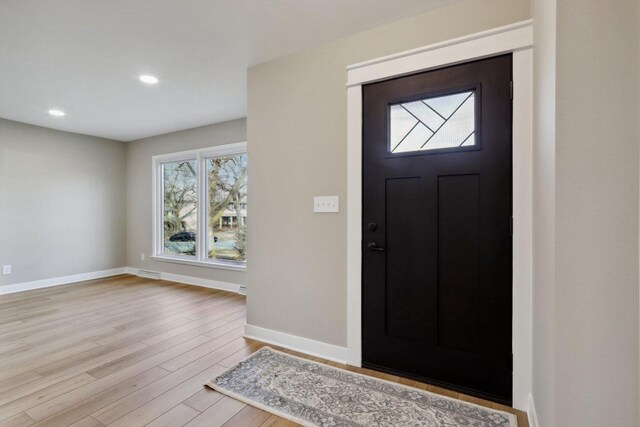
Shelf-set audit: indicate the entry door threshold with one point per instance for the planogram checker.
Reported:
(445, 385)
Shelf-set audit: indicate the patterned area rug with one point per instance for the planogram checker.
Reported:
(314, 394)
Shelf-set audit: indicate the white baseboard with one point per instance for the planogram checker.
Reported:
(195, 281)
(65, 280)
(531, 413)
(198, 281)
(296, 343)
(57, 281)
(131, 270)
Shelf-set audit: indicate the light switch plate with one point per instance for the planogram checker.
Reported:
(6, 270)
(326, 204)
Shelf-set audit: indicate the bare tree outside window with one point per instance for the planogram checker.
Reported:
(227, 193)
(180, 207)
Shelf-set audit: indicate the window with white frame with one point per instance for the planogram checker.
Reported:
(200, 206)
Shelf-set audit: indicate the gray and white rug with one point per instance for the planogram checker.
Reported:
(315, 394)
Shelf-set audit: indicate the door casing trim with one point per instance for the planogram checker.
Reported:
(516, 39)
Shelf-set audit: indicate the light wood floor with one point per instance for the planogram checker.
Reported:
(127, 351)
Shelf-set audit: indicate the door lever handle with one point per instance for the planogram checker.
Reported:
(373, 246)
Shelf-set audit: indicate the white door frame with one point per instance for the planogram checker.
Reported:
(517, 39)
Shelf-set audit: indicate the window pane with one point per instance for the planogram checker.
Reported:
(433, 123)
(179, 207)
(227, 233)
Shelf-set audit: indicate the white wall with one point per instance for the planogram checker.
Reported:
(62, 203)
(139, 194)
(586, 179)
(297, 112)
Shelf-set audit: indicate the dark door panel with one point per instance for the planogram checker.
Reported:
(437, 266)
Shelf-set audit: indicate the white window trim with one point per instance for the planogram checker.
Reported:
(517, 39)
(200, 156)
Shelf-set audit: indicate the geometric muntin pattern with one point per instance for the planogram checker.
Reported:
(433, 123)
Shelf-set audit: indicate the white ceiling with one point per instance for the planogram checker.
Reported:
(85, 56)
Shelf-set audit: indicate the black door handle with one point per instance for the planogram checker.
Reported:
(373, 246)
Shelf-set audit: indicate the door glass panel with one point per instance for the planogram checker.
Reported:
(433, 123)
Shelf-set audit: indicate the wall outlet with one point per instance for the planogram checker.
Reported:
(326, 204)
(141, 257)
(6, 270)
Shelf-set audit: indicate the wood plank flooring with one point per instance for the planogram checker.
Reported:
(127, 351)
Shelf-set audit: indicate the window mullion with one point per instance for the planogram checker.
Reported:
(158, 209)
(202, 209)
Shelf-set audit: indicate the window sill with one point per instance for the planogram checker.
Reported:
(233, 266)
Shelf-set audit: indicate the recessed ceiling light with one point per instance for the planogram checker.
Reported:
(57, 113)
(145, 78)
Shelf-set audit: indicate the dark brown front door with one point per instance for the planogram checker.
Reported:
(437, 227)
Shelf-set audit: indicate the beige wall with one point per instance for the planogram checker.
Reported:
(544, 210)
(586, 249)
(139, 194)
(297, 113)
(597, 213)
(62, 203)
